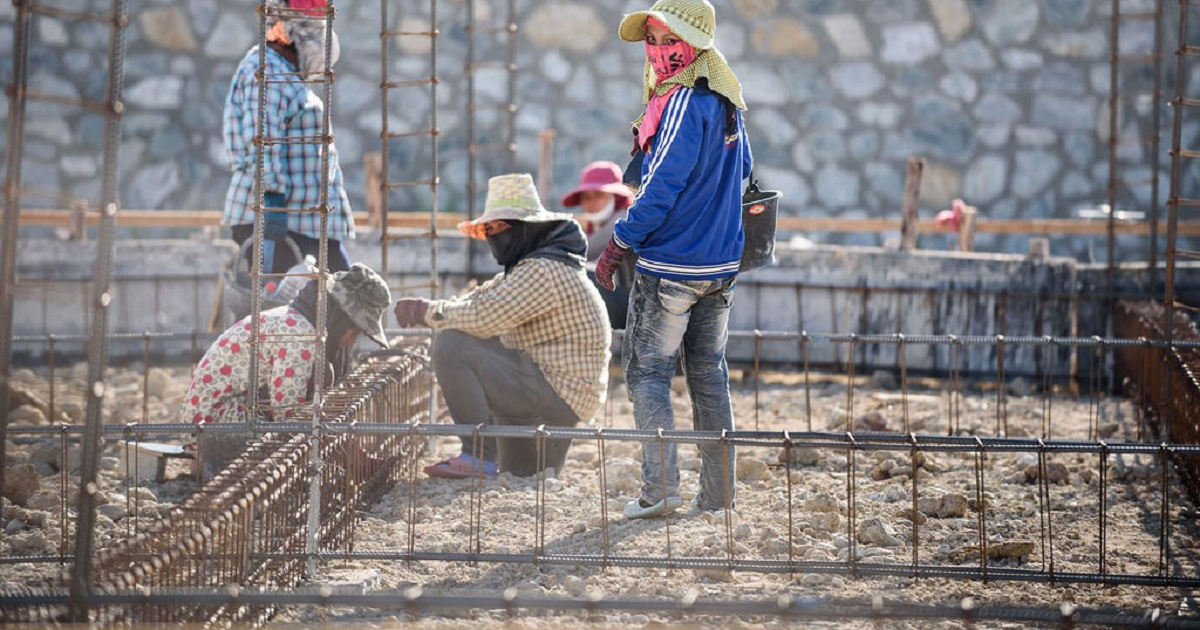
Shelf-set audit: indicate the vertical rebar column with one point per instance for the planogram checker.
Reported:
(260, 167)
(387, 135)
(1173, 206)
(434, 285)
(472, 139)
(102, 298)
(1156, 141)
(316, 466)
(11, 219)
(1114, 108)
(473, 65)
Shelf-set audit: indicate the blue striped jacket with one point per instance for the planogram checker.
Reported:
(686, 220)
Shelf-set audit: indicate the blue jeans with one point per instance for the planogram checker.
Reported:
(666, 316)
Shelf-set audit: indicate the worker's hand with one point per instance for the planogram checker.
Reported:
(410, 312)
(608, 264)
(274, 223)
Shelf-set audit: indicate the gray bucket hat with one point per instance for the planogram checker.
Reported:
(365, 297)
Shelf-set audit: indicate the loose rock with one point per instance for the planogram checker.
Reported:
(1056, 473)
(752, 469)
(801, 456)
(944, 506)
(872, 422)
(26, 415)
(876, 532)
(113, 511)
(21, 482)
(28, 543)
(823, 503)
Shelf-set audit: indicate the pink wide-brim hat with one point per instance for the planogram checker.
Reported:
(602, 177)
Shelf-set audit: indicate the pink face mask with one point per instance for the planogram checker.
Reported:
(668, 60)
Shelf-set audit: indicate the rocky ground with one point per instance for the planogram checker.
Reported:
(758, 528)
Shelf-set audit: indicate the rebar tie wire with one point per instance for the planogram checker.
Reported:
(412, 496)
(757, 357)
(475, 503)
(1001, 390)
(787, 471)
(1044, 517)
(902, 355)
(1047, 387)
(915, 514)
(1164, 552)
(981, 500)
(850, 362)
(540, 495)
(662, 451)
(1103, 533)
(603, 473)
(851, 502)
(728, 492)
(804, 339)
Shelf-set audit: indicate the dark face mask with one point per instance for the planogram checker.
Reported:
(508, 246)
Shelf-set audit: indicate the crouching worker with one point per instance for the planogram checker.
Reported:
(528, 347)
(357, 301)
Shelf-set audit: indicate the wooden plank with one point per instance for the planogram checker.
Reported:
(373, 166)
(912, 202)
(545, 177)
(1048, 227)
(966, 231)
(203, 218)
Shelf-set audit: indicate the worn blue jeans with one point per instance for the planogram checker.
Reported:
(665, 318)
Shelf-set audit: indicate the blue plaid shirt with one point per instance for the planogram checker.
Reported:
(293, 111)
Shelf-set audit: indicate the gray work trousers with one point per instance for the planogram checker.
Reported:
(484, 382)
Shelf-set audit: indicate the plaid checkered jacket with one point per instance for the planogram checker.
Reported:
(551, 313)
(294, 113)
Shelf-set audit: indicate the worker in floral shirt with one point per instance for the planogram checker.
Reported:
(528, 347)
(293, 124)
(287, 349)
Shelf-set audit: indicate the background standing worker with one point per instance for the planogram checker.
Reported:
(604, 199)
(292, 173)
(528, 347)
(686, 226)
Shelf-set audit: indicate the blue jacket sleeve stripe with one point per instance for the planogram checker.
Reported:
(664, 139)
(666, 135)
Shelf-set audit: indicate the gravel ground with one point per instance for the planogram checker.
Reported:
(758, 528)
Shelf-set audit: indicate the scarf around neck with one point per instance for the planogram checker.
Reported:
(710, 64)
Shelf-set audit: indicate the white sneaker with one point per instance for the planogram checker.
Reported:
(635, 509)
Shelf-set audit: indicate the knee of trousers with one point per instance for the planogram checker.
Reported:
(450, 348)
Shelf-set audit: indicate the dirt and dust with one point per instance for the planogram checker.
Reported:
(799, 511)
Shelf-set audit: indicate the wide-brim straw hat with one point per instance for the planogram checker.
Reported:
(511, 197)
(602, 177)
(365, 298)
(694, 21)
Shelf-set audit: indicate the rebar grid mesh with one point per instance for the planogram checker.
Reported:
(1173, 407)
(415, 602)
(248, 525)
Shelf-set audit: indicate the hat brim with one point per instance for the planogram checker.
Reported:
(633, 28)
(477, 229)
(377, 335)
(621, 191)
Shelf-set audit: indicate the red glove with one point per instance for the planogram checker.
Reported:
(410, 312)
(608, 264)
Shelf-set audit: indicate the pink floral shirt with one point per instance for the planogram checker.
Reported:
(285, 366)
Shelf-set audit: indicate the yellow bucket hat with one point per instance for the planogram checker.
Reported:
(694, 21)
(513, 197)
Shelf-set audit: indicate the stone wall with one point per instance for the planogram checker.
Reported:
(1007, 99)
